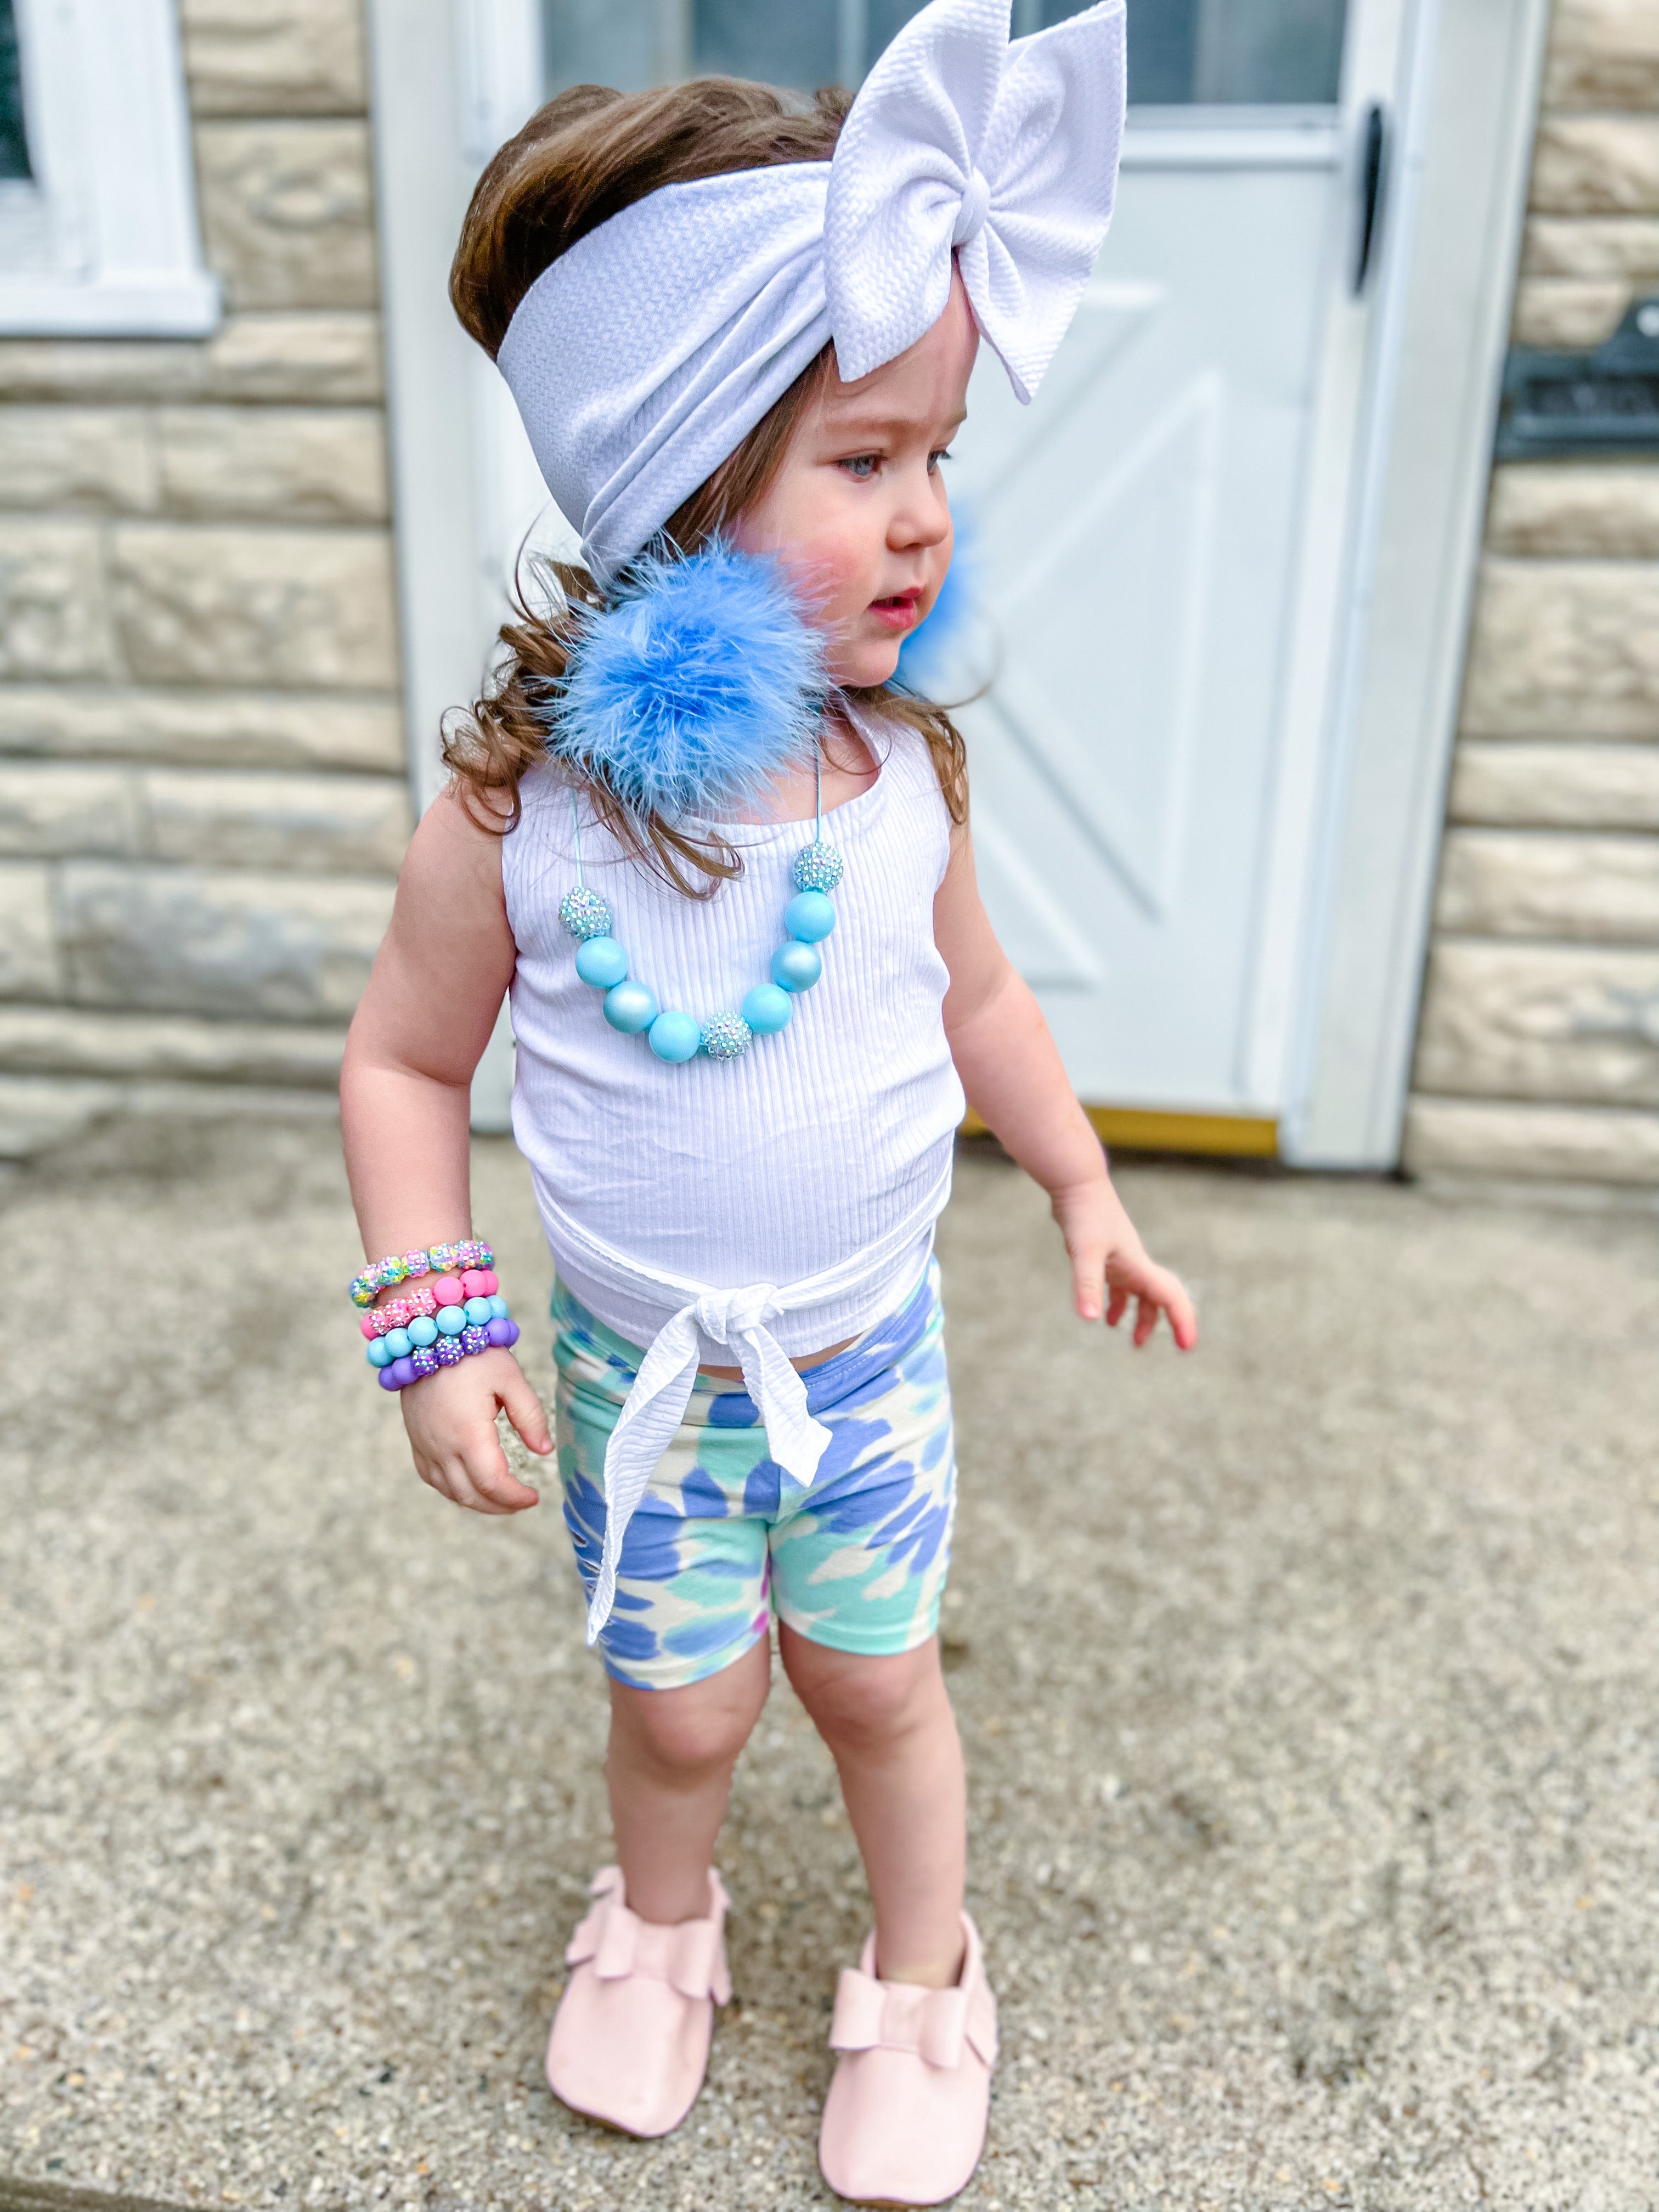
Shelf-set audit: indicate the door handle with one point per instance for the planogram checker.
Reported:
(1373, 190)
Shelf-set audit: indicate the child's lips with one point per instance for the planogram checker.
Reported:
(898, 612)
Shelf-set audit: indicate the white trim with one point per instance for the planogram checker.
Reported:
(1460, 196)
(102, 240)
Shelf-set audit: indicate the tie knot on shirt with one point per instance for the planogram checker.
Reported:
(972, 213)
(723, 1316)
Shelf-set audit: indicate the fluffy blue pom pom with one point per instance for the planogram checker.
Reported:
(697, 685)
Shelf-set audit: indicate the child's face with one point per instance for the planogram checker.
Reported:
(858, 510)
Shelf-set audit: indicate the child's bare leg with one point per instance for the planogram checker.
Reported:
(889, 1724)
(669, 1771)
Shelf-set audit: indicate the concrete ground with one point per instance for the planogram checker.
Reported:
(1309, 1691)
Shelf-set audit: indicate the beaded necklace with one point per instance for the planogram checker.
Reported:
(631, 1006)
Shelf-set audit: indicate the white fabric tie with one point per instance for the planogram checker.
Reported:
(655, 1405)
(644, 356)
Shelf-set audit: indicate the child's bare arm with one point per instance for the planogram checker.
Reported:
(405, 1094)
(1011, 1070)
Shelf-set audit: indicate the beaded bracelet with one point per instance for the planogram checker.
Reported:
(401, 1266)
(447, 1290)
(441, 1339)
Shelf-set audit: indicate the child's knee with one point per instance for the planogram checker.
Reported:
(696, 1730)
(864, 1704)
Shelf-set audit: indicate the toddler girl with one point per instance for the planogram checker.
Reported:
(724, 867)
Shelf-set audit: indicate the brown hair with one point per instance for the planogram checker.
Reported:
(581, 159)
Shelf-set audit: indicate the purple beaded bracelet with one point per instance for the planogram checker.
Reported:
(448, 1352)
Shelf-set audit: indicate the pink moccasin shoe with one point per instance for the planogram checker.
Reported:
(904, 2121)
(631, 2037)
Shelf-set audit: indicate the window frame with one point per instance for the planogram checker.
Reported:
(101, 239)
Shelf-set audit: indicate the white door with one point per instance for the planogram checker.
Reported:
(1159, 540)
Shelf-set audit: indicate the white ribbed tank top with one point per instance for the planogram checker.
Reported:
(811, 1146)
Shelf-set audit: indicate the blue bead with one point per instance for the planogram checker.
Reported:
(452, 1319)
(675, 1036)
(423, 1331)
(795, 966)
(398, 1343)
(810, 916)
(498, 1309)
(476, 1311)
(601, 962)
(766, 1009)
(380, 1353)
(629, 1007)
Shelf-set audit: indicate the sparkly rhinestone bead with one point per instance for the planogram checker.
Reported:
(442, 1257)
(391, 1270)
(585, 914)
(475, 1339)
(726, 1036)
(424, 1359)
(448, 1351)
(413, 1264)
(363, 1288)
(819, 866)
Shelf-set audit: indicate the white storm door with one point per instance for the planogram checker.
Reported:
(1135, 541)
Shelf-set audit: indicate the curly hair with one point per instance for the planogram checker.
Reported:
(579, 160)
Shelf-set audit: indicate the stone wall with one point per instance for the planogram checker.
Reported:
(203, 799)
(1539, 1048)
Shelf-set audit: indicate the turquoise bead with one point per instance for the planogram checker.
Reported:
(795, 966)
(452, 1319)
(810, 916)
(601, 962)
(629, 1007)
(674, 1037)
(766, 1009)
(398, 1343)
(477, 1312)
(423, 1331)
(498, 1310)
(378, 1354)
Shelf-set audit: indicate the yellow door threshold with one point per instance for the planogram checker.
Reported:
(1139, 1129)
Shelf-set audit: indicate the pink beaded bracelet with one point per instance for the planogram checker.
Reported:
(400, 1267)
(447, 1290)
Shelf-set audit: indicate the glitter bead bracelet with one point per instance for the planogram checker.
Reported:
(404, 1267)
(499, 1333)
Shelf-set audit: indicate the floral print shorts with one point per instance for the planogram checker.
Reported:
(723, 1538)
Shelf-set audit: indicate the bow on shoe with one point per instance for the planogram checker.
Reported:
(688, 1955)
(935, 2024)
(1007, 153)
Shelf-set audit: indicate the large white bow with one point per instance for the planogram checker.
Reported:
(645, 355)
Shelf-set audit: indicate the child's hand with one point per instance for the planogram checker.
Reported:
(451, 1420)
(1104, 1250)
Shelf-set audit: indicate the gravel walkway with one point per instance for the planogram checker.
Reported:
(1310, 1690)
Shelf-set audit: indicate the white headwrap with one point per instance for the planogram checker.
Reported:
(645, 355)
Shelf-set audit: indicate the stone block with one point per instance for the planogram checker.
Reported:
(49, 808)
(204, 728)
(1559, 314)
(275, 463)
(37, 1112)
(89, 460)
(1557, 786)
(28, 937)
(1594, 249)
(1608, 511)
(54, 618)
(328, 824)
(1626, 246)
(1561, 646)
(238, 942)
(1602, 53)
(72, 1041)
(1569, 1143)
(287, 212)
(1596, 165)
(1557, 885)
(288, 608)
(331, 359)
(1542, 1022)
(274, 57)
